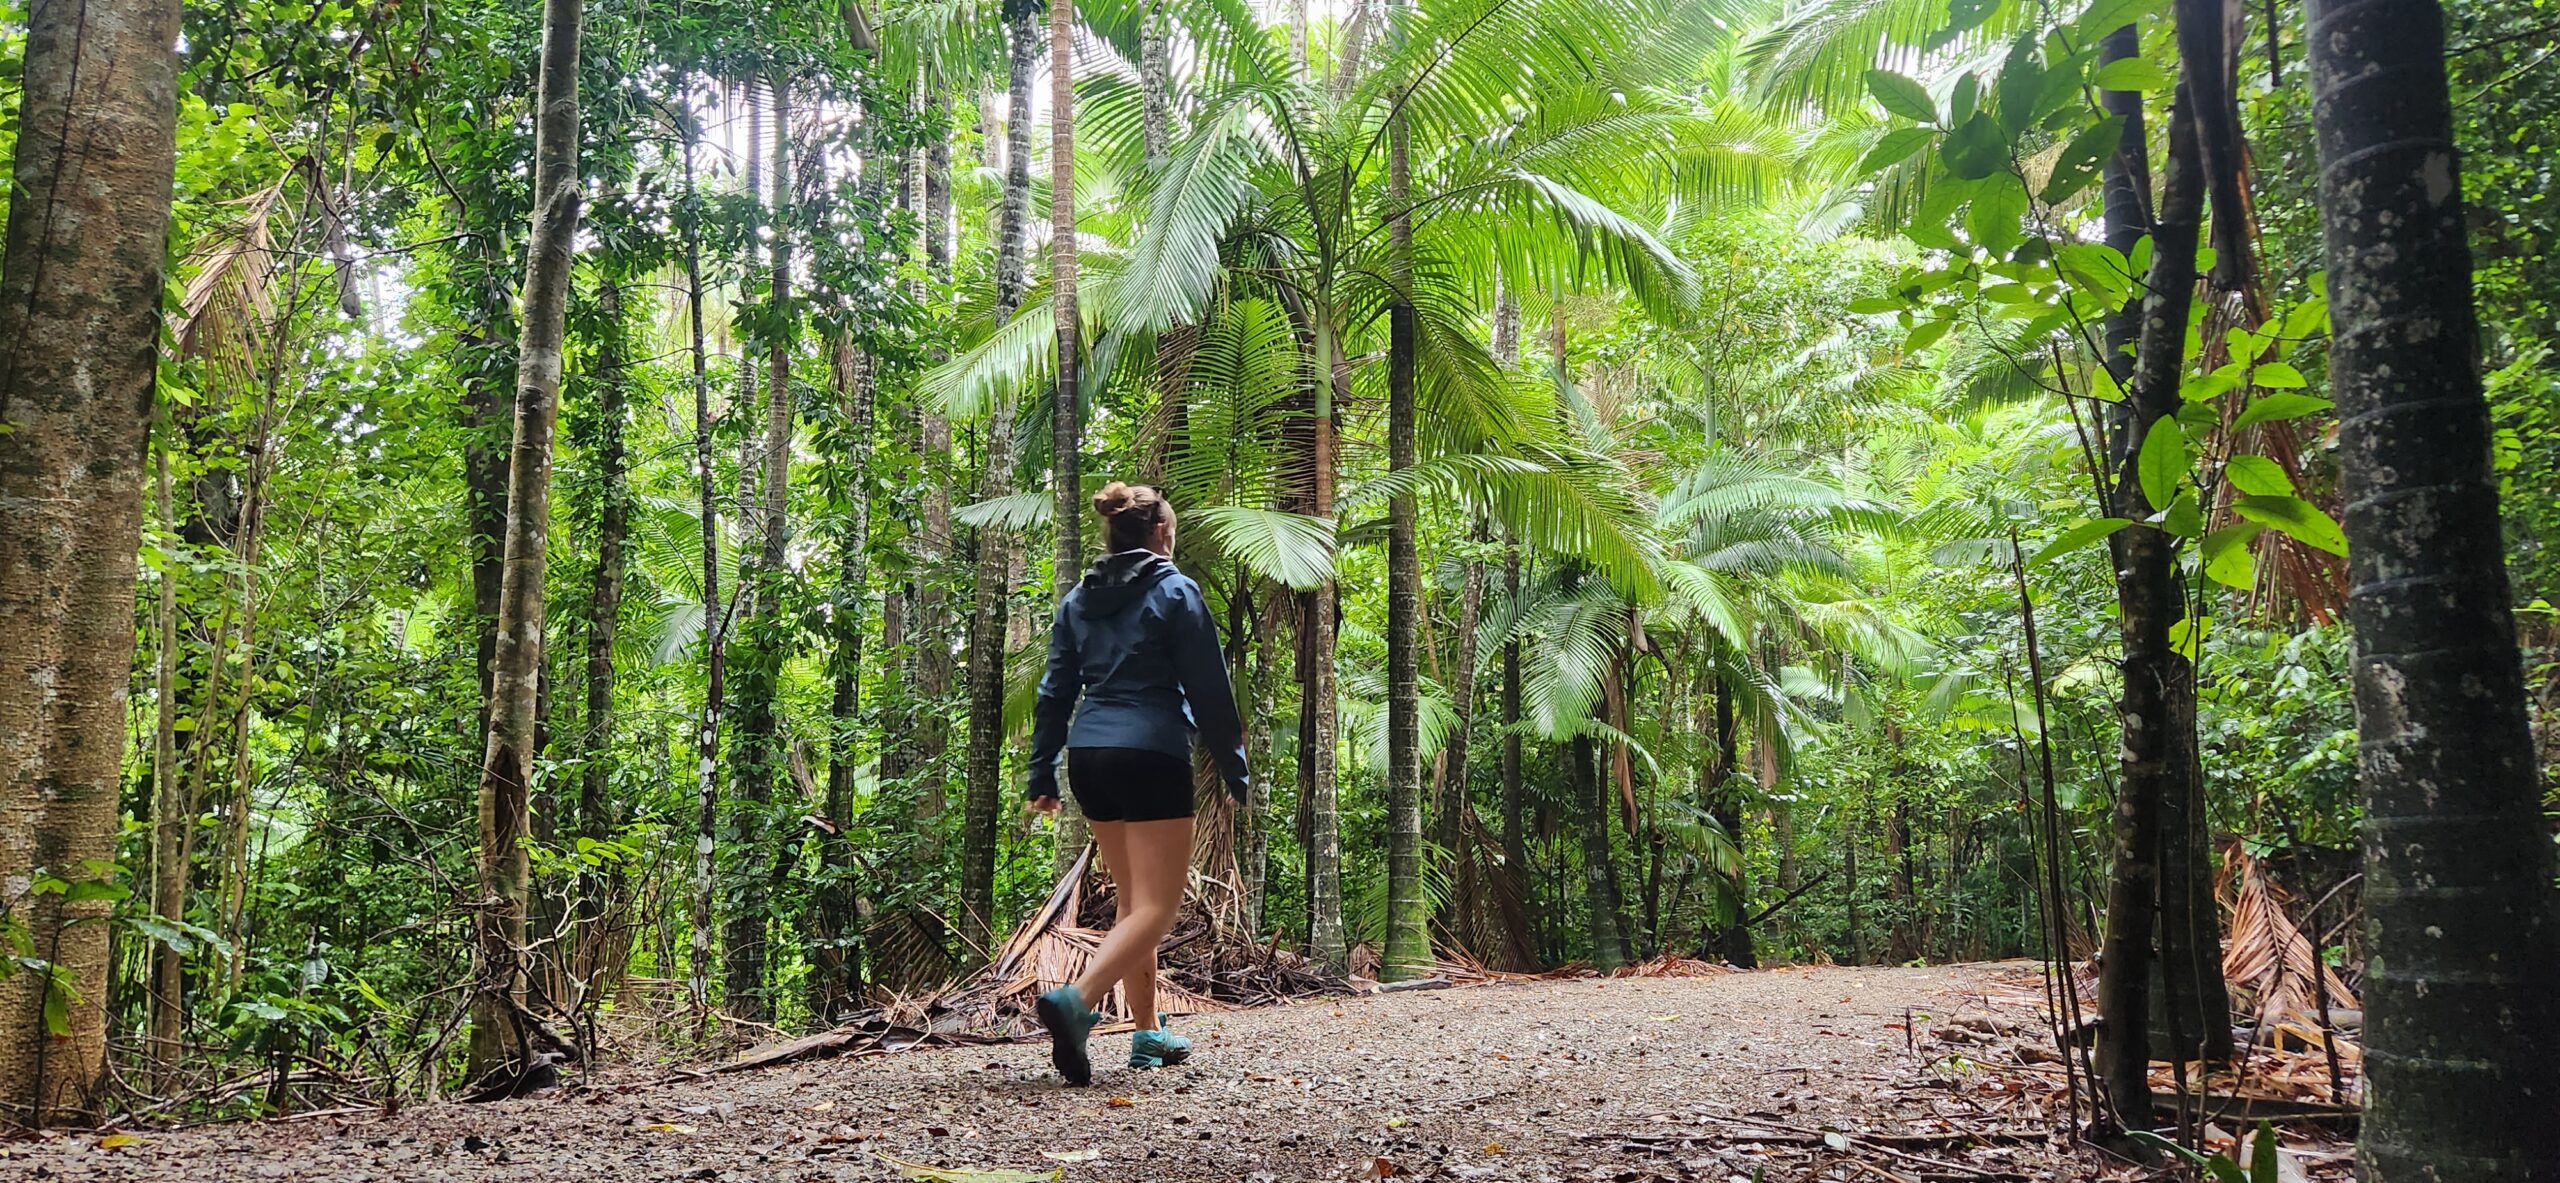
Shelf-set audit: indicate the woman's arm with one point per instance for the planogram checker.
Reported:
(1201, 663)
(1058, 690)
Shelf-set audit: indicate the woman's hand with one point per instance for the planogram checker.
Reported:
(1046, 806)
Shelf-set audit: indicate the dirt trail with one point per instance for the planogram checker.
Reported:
(1534, 1082)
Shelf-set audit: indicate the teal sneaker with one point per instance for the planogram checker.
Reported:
(1070, 1024)
(1158, 1048)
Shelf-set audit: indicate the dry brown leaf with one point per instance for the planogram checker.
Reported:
(1120, 1102)
(1380, 1168)
(1495, 1148)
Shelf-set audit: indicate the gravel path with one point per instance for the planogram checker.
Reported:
(1719, 1079)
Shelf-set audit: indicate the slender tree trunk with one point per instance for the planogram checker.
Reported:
(171, 814)
(1515, 837)
(1857, 837)
(1253, 833)
(983, 797)
(1408, 944)
(506, 775)
(2462, 1035)
(836, 979)
(1599, 863)
(1325, 937)
(761, 759)
(1066, 431)
(1451, 814)
(604, 605)
(714, 614)
(2194, 1005)
(2149, 602)
(1724, 796)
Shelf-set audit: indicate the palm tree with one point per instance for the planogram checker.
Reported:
(2464, 1082)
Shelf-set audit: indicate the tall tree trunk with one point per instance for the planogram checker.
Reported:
(1724, 797)
(1325, 938)
(1253, 833)
(983, 794)
(1452, 820)
(1515, 836)
(714, 613)
(79, 329)
(836, 979)
(604, 605)
(2462, 1038)
(172, 814)
(2155, 755)
(1408, 944)
(1857, 825)
(506, 776)
(1066, 434)
(2194, 1004)
(759, 768)
(1599, 864)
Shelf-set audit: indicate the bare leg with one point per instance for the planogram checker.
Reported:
(1149, 868)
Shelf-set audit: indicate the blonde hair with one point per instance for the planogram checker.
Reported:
(1130, 514)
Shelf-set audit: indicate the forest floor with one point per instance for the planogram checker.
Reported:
(1782, 1075)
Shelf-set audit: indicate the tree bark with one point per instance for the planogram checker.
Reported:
(1325, 937)
(2156, 751)
(760, 763)
(836, 977)
(2462, 1039)
(1515, 836)
(1451, 823)
(604, 605)
(1066, 429)
(1408, 943)
(506, 777)
(79, 328)
(983, 795)
(1599, 865)
(714, 615)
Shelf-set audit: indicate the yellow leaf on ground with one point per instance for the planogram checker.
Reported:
(118, 1141)
(925, 1173)
(1120, 1102)
(1398, 1122)
(1494, 1148)
(668, 1127)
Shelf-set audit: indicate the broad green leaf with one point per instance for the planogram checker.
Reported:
(2163, 462)
(1902, 96)
(2084, 158)
(2021, 84)
(2077, 537)
(1976, 149)
(2207, 387)
(1928, 334)
(1996, 222)
(2307, 319)
(2276, 375)
(2246, 346)
(2107, 16)
(2186, 637)
(57, 1006)
(1965, 99)
(2273, 408)
(2183, 518)
(1894, 148)
(2137, 74)
(1876, 305)
(2227, 557)
(2295, 518)
(95, 889)
(2257, 476)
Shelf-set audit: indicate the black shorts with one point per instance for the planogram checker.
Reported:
(1129, 784)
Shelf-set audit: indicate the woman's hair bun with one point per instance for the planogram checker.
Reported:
(1118, 498)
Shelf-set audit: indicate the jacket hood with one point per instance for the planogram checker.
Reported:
(1119, 580)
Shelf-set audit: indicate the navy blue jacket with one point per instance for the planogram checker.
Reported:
(1135, 640)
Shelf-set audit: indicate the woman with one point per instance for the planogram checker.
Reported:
(1136, 641)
